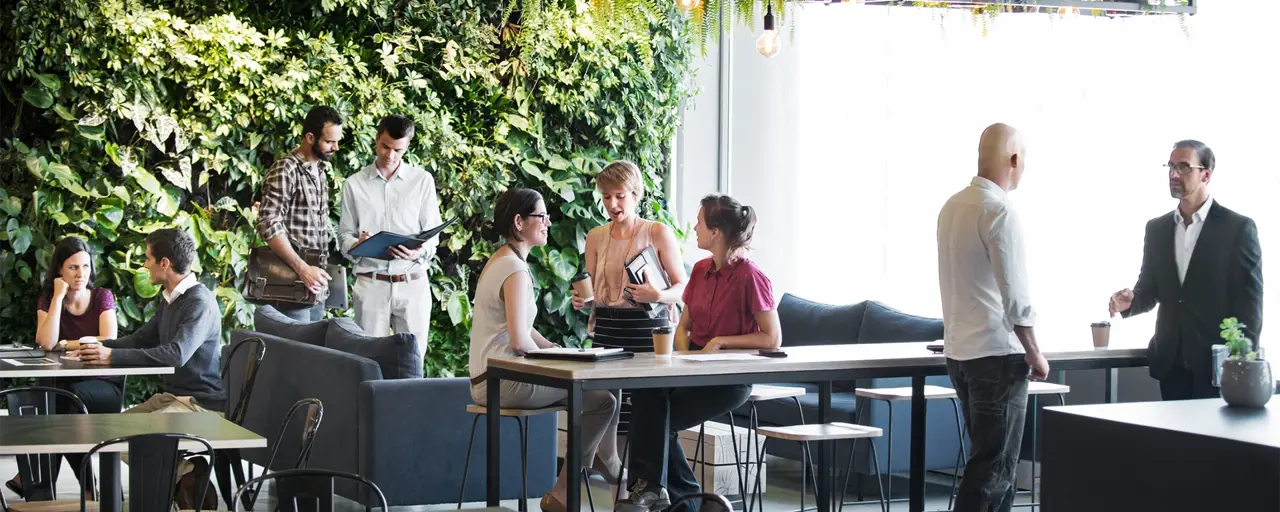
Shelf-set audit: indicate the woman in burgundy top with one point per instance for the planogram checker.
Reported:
(728, 304)
(69, 308)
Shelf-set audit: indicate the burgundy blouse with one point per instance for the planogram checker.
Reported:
(74, 327)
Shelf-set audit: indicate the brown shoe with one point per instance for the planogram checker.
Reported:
(188, 491)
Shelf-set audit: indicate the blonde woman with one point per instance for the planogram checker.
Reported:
(616, 318)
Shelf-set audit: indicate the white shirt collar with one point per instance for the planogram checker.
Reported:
(183, 286)
(374, 174)
(1199, 215)
(983, 183)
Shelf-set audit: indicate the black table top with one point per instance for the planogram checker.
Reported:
(1210, 417)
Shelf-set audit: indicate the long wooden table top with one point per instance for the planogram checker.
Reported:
(72, 368)
(79, 433)
(1210, 417)
(808, 358)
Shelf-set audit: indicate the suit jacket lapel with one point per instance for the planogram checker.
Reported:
(1169, 267)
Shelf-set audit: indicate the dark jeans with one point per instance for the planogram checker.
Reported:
(657, 417)
(1181, 384)
(993, 396)
(302, 313)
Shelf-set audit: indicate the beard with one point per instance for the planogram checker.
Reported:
(1176, 191)
(321, 155)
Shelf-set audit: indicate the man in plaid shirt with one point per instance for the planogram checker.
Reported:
(294, 215)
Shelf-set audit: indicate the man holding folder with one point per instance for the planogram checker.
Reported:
(394, 196)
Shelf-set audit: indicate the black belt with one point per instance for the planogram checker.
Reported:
(479, 379)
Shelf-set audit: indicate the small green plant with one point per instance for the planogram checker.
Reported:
(1239, 346)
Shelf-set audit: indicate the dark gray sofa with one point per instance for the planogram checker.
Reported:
(407, 435)
(810, 323)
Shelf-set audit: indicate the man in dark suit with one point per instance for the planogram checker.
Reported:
(1201, 264)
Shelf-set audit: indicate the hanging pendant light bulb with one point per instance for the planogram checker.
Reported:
(769, 43)
(688, 5)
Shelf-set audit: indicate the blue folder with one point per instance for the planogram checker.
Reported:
(377, 246)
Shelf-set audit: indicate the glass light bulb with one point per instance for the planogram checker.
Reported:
(769, 43)
(688, 5)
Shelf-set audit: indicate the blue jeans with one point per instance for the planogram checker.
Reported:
(302, 313)
(993, 396)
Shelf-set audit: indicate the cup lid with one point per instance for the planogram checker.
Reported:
(1101, 324)
(581, 276)
(662, 330)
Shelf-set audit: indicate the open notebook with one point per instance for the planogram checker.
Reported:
(579, 354)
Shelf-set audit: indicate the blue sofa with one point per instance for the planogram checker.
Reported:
(406, 433)
(810, 323)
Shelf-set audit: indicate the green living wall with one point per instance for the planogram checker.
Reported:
(118, 118)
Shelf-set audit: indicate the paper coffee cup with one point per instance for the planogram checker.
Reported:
(1101, 334)
(663, 342)
(582, 284)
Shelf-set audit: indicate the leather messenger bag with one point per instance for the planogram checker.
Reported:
(269, 280)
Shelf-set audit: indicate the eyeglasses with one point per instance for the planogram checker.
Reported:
(1182, 168)
(546, 218)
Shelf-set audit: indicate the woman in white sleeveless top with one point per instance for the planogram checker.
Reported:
(502, 326)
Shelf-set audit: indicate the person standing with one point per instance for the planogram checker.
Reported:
(988, 319)
(293, 217)
(396, 196)
(1201, 264)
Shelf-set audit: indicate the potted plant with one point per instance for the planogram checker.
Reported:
(1246, 380)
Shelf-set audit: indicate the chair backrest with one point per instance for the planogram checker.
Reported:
(314, 412)
(36, 471)
(307, 489)
(153, 464)
(253, 362)
(687, 502)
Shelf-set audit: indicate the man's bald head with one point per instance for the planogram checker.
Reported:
(1001, 155)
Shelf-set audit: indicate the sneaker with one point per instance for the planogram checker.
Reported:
(645, 497)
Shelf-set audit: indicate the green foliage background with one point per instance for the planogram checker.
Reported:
(118, 118)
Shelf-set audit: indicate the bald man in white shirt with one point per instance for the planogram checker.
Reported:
(987, 319)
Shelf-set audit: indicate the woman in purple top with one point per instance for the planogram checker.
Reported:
(69, 308)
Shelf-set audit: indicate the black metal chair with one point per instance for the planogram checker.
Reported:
(153, 464)
(38, 473)
(228, 462)
(307, 489)
(311, 423)
(687, 501)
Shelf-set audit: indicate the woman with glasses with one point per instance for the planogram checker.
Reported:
(502, 326)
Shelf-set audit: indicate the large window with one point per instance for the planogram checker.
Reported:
(892, 101)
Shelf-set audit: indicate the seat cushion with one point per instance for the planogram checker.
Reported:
(396, 354)
(881, 323)
(805, 322)
(269, 320)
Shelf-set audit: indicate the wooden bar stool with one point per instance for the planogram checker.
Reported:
(522, 421)
(759, 393)
(890, 395)
(1034, 389)
(825, 432)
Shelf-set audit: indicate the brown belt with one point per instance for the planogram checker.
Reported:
(479, 379)
(392, 278)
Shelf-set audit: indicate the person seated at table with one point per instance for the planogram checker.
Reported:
(729, 304)
(185, 333)
(502, 326)
(71, 307)
(616, 320)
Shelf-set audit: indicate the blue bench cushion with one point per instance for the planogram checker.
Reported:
(805, 322)
(881, 323)
(269, 320)
(396, 354)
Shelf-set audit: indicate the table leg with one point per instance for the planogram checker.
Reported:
(493, 444)
(825, 453)
(917, 444)
(1112, 384)
(109, 481)
(573, 450)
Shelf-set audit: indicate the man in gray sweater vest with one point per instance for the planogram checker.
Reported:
(185, 332)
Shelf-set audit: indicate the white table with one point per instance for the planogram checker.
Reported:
(71, 368)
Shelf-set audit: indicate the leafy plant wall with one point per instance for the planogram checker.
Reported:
(121, 117)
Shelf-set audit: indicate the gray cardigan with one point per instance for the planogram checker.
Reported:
(186, 335)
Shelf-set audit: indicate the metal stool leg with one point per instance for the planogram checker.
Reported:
(805, 446)
(466, 465)
(617, 493)
(889, 461)
(702, 431)
(737, 460)
(875, 461)
(586, 481)
(844, 490)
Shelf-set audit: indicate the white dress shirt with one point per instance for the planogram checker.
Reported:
(982, 273)
(185, 284)
(406, 205)
(1185, 236)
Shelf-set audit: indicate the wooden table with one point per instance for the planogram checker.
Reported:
(821, 364)
(70, 368)
(1189, 455)
(79, 433)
